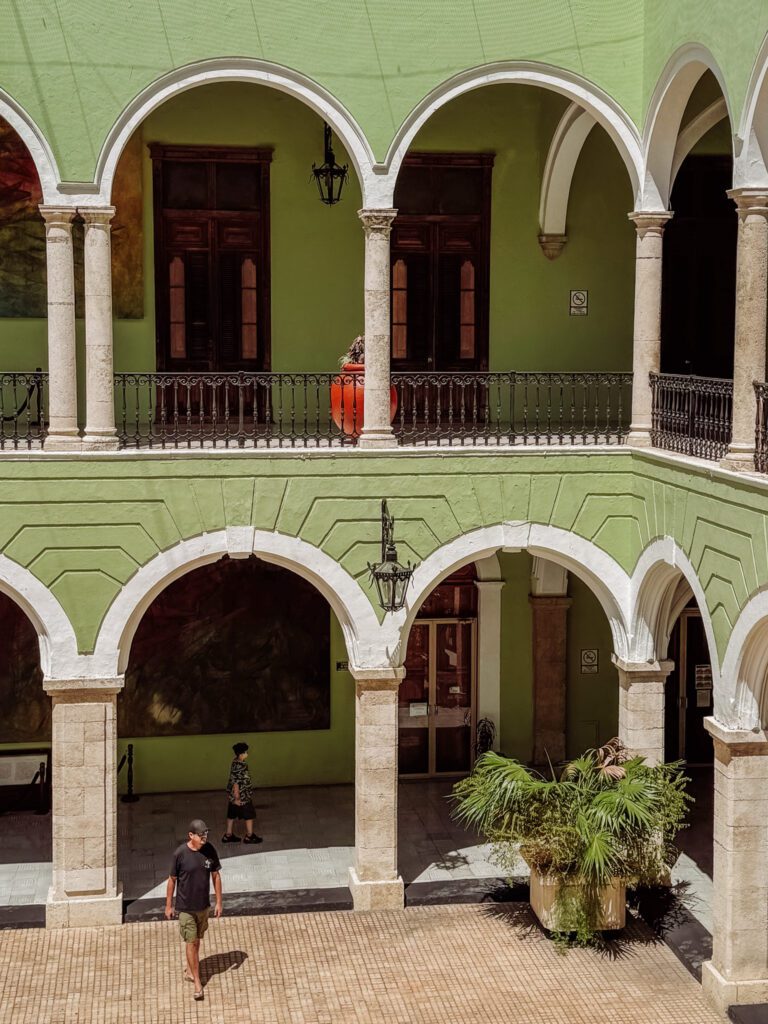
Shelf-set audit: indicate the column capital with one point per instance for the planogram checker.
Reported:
(730, 743)
(650, 221)
(96, 214)
(749, 200)
(631, 672)
(377, 221)
(488, 586)
(84, 689)
(377, 678)
(59, 216)
(550, 600)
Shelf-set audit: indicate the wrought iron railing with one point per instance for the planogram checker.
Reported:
(23, 402)
(691, 415)
(238, 410)
(761, 427)
(479, 409)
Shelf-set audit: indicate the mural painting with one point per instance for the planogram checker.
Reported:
(22, 234)
(25, 708)
(237, 646)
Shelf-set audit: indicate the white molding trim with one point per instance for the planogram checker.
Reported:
(694, 131)
(602, 574)
(563, 155)
(240, 69)
(37, 144)
(744, 698)
(665, 113)
(56, 637)
(364, 637)
(579, 90)
(750, 169)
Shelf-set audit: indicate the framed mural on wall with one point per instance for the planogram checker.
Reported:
(25, 708)
(236, 646)
(22, 234)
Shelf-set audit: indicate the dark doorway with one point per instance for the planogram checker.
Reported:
(440, 254)
(688, 698)
(699, 271)
(211, 258)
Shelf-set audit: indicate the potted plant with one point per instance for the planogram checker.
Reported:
(609, 820)
(347, 391)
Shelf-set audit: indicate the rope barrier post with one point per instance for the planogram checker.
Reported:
(130, 797)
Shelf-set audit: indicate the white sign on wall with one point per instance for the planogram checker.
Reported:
(579, 302)
(590, 661)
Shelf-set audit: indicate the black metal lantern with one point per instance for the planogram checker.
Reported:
(390, 577)
(330, 178)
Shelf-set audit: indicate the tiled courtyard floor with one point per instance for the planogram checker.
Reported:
(436, 965)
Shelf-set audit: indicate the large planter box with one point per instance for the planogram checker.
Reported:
(544, 890)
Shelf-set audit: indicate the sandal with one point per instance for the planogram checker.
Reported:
(230, 837)
(199, 995)
(253, 838)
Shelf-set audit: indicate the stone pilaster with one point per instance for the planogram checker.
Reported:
(374, 881)
(63, 434)
(641, 707)
(738, 970)
(550, 674)
(489, 652)
(646, 345)
(85, 889)
(377, 429)
(749, 339)
(100, 432)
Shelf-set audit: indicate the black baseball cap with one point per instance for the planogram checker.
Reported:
(198, 826)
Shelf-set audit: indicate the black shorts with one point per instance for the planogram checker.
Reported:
(243, 812)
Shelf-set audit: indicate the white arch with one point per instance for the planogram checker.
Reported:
(695, 130)
(665, 113)
(35, 141)
(564, 151)
(579, 90)
(239, 69)
(656, 600)
(364, 638)
(602, 574)
(56, 637)
(751, 165)
(744, 699)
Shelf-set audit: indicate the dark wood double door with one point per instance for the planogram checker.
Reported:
(211, 258)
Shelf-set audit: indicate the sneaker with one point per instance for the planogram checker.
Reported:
(230, 837)
(253, 838)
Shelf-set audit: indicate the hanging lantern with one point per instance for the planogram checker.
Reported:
(330, 177)
(390, 577)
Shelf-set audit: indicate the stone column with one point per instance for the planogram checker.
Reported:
(85, 889)
(749, 340)
(738, 970)
(63, 434)
(100, 432)
(549, 621)
(646, 345)
(377, 429)
(489, 653)
(374, 881)
(641, 707)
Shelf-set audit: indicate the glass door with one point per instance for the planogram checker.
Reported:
(437, 699)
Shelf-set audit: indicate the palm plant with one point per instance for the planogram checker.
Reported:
(608, 816)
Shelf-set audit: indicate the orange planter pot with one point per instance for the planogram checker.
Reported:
(348, 399)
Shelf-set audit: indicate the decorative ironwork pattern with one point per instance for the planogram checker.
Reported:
(481, 409)
(691, 415)
(238, 410)
(761, 427)
(23, 403)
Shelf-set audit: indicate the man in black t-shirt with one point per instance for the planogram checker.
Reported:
(193, 866)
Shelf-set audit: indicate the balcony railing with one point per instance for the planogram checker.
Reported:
(761, 427)
(316, 410)
(480, 409)
(23, 401)
(691, 415)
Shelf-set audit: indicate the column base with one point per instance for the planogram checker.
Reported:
(100, 443)
(721, 993)
(63, 443)
(388, 895)
(84, 911)
(639, 438)
(376, 439)
(741, 459)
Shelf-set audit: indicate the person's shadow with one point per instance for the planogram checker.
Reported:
(220, 963)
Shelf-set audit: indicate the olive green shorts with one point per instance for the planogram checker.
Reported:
(193, 924)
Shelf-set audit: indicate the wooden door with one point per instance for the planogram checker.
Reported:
(211, 258)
